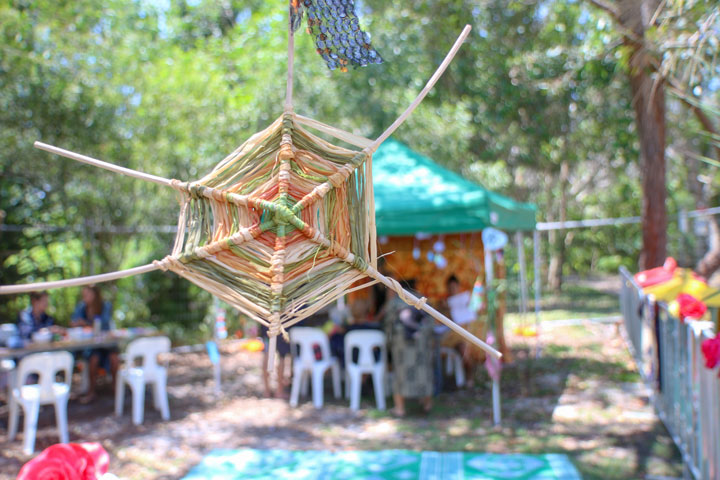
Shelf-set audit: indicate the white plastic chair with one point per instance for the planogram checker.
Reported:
(306, 364)
(47, 391)
(137, 377)
(453, 363)
(366, 342)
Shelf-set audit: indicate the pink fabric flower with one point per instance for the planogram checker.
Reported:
(67, 461)
(711, 351)
(690, 306)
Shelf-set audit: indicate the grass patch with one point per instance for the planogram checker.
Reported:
(575, 301)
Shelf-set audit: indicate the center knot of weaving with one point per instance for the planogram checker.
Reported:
(283, 215)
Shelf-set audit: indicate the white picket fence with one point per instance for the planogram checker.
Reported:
(686, 395)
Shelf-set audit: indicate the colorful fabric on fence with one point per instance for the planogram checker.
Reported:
(685, 281)
(386, 464)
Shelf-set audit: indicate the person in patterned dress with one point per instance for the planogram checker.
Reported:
(410, 338)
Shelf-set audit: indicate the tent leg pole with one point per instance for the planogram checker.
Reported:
(489, 278)
(536, 280)
(523, 274)
(496, 402)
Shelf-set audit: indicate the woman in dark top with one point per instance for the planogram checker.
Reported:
(93, 312)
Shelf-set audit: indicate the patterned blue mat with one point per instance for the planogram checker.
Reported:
(380, 465)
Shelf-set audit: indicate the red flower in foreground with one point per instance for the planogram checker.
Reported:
(100, 457)
(690, 306)
(67, 461)
(711, 351)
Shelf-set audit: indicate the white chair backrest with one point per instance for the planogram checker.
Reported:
(366, 341)
(307, 339)
(46, 366)
(147, 349)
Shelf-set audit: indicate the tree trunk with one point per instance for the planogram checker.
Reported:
(648, 98)
(558, 237)
(711, 261)
(649, 103)
(650, 114)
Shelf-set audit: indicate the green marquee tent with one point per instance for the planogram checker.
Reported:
(414, 194)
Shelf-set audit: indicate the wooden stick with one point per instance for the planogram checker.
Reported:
(430, 84)
(371, 212)
(99, 163)
(74, 282)
(272, 348)
(291, 61)
(351, 138)
(372, 273)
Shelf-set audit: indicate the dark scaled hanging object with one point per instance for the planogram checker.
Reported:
(338, 37)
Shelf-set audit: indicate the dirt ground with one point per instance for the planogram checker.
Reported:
(581, 397)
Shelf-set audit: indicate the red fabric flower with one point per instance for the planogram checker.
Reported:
(647, 278)
(67, 461)
(100, 457)
(711, 351)
(690, 306)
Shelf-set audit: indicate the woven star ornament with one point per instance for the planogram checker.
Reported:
(279, 228)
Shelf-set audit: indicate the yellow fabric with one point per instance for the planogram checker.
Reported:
(683, 281)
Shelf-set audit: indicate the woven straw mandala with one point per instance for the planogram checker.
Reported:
(279, 228)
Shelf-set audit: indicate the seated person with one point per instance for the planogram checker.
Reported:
(461, 312)
(359, 319)
(34, 317)
(91, 311)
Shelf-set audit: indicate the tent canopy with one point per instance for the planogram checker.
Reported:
(414, 194)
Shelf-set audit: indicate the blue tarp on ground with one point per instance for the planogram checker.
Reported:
(380, 465)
